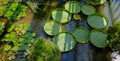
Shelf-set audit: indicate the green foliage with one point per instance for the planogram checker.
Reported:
(14, 11)
(7, 47)
(114, 36)
(44, 50)
(1, 27)
(2, 7)
(18, 38)
(95, 2)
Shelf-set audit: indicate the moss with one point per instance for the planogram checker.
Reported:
(44, 50)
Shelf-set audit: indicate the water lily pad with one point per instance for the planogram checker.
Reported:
(52, 28)
(61, 15)
(73, 6)
(81, 35)
(88, 10)
(98, 38)
(97, 21)
(64, 41)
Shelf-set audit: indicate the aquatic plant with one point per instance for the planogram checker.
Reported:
(18, 38)
(14, 11)
(77, 17)
(44, 50)
(114, 36)
(65, 41)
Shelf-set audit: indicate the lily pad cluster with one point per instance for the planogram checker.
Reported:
(1, 27)
(18, 38)
(14, 11)
(66, 41)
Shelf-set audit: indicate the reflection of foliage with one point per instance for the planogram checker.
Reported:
(44, 50)
(1, 27)
(33, 6)
(18, 38)
(114, 36)
(95, 2)
(14, 11)
(41, 5)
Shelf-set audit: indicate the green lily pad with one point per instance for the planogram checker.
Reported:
(81, 35)
(88, 10)
(98, 38)
(64, 41)
(73, 7)
(52, 28)
(97, 21)
(61, 15)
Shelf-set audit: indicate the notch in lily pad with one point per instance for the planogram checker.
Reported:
(88, 9)
(52, 27)
(61, 15)
(73, 6)
(81, 34)
(98, 21)
(65, 41)
(98, 38)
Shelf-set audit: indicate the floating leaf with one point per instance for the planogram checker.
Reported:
(88, 10)
(77, 17)
(61, 15)
(73, 6)
(52, 28)
(97, 21)
(81, 35)
(64, 41)
(98, 38)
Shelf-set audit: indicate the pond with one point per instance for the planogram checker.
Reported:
(82, 51)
